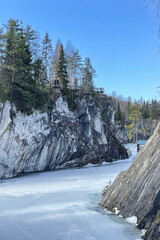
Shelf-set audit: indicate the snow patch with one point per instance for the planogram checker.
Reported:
(132, 219)
(98, 123)
(98, 126)
(133, 149)
(116, 210)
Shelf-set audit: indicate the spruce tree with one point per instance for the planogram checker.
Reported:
(69, 52)
(9, 50)
(127, 110)
(24, 90)
(33, 41)
(54, 61)
(61, 73)
(46, 55)
(155, 111)
(39, 72)
(118, 114)
(5, 83)
(17, 69)
(145, 110)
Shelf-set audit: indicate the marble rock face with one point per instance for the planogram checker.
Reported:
(136, 191)
(56, 139)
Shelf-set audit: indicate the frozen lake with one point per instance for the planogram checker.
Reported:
(62, 205)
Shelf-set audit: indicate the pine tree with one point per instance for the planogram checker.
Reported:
(89, 74)
(134, 118)
(74, 66)
(77, 68)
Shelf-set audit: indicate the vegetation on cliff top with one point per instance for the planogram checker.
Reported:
(29, 68)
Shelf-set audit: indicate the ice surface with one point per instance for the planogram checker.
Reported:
(62, 205)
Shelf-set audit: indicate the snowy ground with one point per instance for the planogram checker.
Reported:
(62, 205)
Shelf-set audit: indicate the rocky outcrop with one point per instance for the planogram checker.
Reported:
(153, 233)
(121, 133)
(57, 139)
(136, 191)
(152, 221)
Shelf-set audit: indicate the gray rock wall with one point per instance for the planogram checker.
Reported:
(136, 191)
(58, 139)
(121, 133)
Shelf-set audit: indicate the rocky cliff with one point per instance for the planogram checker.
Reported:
(121, 133)
(136, 191)
(57, 139)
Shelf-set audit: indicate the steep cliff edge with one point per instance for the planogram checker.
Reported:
(58, 139)
(136, 191)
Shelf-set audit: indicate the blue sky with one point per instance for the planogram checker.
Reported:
(120, 37)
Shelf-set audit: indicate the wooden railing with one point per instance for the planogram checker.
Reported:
(101, 90)
(57, 84)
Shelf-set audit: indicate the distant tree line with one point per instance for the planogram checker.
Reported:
(29, 67)
(130, 113)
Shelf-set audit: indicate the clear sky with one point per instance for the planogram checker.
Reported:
(120, 37)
